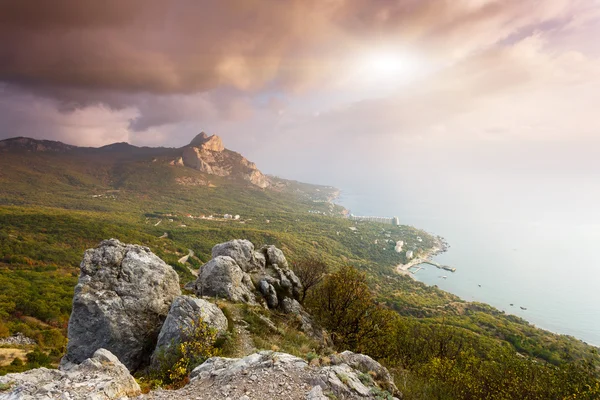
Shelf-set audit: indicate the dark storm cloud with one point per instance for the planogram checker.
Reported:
(150, 46)
(156, 63)
(189, 46)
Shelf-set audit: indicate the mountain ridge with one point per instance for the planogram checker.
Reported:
(204, 153)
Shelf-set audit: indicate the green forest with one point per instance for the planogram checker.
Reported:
(437, 345)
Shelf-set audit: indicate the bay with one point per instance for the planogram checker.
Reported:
(551, 268)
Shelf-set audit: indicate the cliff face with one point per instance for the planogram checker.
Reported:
(207, 154)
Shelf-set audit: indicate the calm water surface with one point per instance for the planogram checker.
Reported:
(550, 268)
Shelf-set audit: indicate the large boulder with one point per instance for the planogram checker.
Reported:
(101, 377)
(277, 274)
(237, 272)
(121, 300)
(223, 277)
(242, 251)
(366, 365)
(184, 312)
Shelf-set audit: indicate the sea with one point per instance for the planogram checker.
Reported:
(545, 270)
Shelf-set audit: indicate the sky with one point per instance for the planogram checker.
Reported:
(465, 99)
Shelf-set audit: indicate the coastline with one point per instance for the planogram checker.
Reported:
(538, 320)
(440, 247)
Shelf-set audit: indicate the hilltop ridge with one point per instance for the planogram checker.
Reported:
(206, 154)
(53, 205)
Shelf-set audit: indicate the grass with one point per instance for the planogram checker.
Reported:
(49, 217)
(278, 332)
(7, 355)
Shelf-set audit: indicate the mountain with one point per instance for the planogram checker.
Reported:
(205, 154)
(57, 200)
(26, 144)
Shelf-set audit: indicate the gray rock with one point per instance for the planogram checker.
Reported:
(274, 256)
(98, 378)
(222, 277)
(231, 367)
(316, 393)
(190, 286)
(17, 340)
(242, 251)
(269, 293)
(281, 374)
(307, 323)
(184, 311)
(366, 365)
(344, 381)
(237, 270)
(291, 306)
(121, 300)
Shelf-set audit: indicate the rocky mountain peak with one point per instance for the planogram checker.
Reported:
(212, 142)
(207, 154)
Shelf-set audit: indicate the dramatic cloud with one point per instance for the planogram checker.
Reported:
(263, 73)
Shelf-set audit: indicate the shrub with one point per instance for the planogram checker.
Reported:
(175, 364)
(310, 271)
(4, 332)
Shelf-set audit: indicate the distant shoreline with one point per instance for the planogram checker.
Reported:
(440, 247)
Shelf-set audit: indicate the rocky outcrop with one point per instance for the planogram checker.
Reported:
(366, 365)
(17, 340)
(205, 142)
(272, 375)
(257, 178)
(184, 312)
(177, 162)
(222, 277)
(237, 272)
(203, 161)
(242, 252)
(123, 296)
(100, 377)
(208, 155)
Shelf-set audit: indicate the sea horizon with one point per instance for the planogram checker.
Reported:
(502, 262)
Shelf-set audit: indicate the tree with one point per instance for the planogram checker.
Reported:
(310, 271)
(343, 304)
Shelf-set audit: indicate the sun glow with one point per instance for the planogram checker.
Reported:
(385, 64)
(384, 69)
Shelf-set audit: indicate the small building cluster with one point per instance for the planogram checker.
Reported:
(382, 220)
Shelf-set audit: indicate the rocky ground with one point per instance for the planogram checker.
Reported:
(272, 375)
(128, 309)
(100, 377)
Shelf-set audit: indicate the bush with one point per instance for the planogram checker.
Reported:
(174, 365)
(345, 306)
(37, 358)
(4, 332)
(310, 271)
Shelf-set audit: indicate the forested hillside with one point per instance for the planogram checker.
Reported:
(54, 205)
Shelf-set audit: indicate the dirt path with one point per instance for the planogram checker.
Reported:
(245, 344)
(184, 259)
